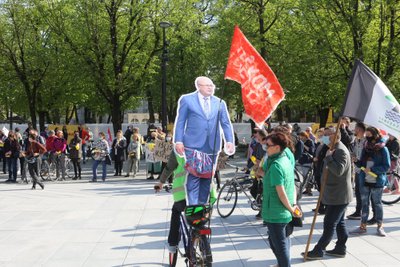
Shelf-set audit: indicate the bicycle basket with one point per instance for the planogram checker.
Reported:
(197, 215)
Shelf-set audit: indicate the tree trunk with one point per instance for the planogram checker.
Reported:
(42, 120)
(32, 111)
(116, 114)
(279, 113)
(150, 107)
(323, 116)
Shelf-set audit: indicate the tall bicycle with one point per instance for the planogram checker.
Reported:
(228, 195)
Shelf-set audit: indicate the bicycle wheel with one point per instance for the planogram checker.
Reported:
(200, 255)
(298, 181)
(387, 197)
(227, 199)
(45, 171)
(52, 171)
(69, 169)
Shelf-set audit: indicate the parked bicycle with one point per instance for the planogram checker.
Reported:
(388, 197)
(228, 195)
(304, 175)
(48, 168)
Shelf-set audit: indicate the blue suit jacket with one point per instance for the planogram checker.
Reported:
(192, 127)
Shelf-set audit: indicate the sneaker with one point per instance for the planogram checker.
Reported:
(354, 216)
(150, 178)
(258, 216)
(371, 221)
(336, 253)
(313, 255)
(358, 231)
(380, 232)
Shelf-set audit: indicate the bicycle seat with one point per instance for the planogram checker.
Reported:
(197, 215)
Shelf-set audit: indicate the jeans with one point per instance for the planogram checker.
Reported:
(198, 189)
(60, 166)
(334, 218)
(12, 168)
(174, 235)
(375, 194)
(279, 243)
(33, 171)
(104, 167)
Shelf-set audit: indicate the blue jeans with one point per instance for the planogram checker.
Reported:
(279, 243)
(334, 219)
(198, 189)
(375, 194)
(104, 165)
(12, 168)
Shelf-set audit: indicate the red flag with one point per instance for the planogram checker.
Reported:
(261, 91)
(109, 136)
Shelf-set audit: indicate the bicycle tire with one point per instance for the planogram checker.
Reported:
(200, 254)
(298, 184)
(227, 197)
(69, 169)
(45, 171)
(388, 198)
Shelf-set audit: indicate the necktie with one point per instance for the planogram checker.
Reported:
(206, 107)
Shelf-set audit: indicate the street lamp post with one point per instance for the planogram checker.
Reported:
(164, 60)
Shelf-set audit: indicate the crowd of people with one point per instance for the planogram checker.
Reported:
(361, 157)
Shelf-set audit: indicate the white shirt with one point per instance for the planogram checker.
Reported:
(202, 102)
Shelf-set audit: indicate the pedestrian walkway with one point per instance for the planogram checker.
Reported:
(122, 222)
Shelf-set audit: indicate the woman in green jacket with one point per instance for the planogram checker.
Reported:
(279, 195)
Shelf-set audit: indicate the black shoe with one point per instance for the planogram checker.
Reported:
(33, 188)
(127, 175)
(150, 178)
(336, 253)
(42, 186)
(320, 211)
(75, 178)
(354, 216)
(313, 255)
(93, 181)
(116, 174)
(371, 222)
(8, 181)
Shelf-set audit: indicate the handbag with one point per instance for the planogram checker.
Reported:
(298, 221)
(199, 164)
(108, 159)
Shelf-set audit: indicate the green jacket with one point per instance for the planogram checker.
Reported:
(279, 170)
(179, 182)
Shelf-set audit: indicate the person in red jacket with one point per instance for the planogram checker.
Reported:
(60, 145)
(84, 135)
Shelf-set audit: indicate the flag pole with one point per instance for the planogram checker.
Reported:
(321, 192)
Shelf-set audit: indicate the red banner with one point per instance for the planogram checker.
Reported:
(261, 91)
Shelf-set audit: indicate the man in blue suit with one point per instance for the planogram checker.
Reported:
(196, 129)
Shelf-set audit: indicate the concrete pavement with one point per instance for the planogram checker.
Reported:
(123, 223)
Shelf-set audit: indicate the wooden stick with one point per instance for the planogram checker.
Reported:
(321, 192)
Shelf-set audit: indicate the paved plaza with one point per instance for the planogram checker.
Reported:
(122, 222)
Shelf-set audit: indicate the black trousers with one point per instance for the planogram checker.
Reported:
(77, 167)
(118, 166)
(33, 171)
(174, 236)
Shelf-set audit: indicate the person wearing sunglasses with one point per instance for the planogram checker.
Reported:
(279, 195)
